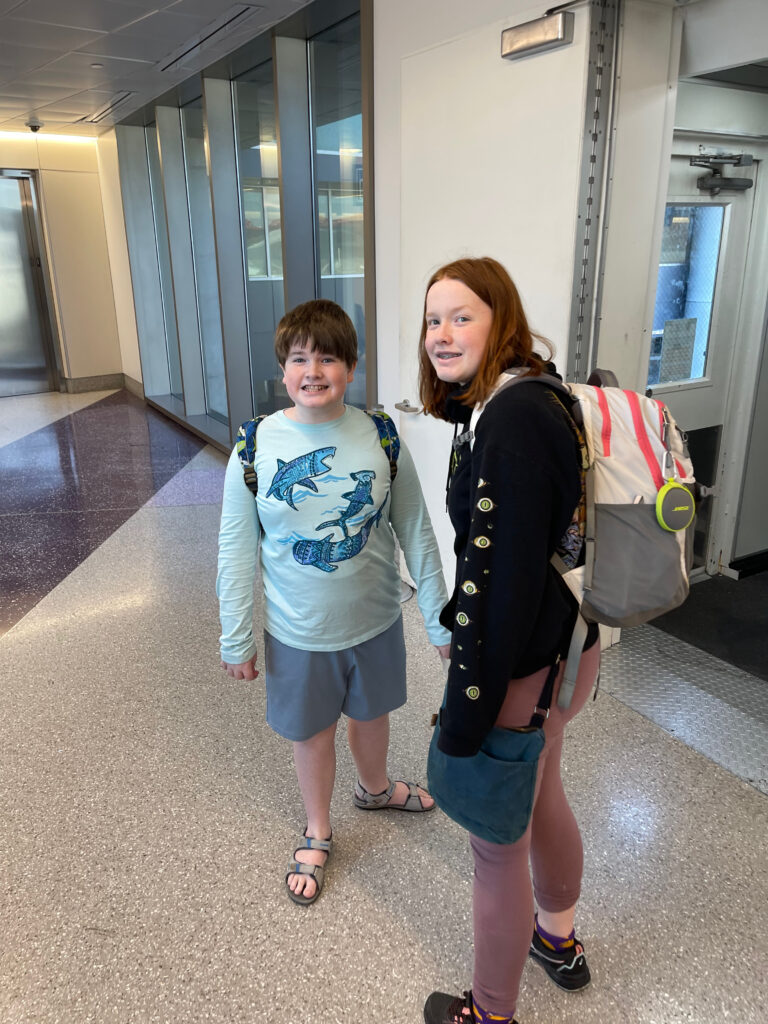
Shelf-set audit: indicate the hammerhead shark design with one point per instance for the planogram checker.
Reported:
(323, 553)
(358, 499)
(298, 473)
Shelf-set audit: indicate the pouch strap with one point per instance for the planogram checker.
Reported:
(543, 704)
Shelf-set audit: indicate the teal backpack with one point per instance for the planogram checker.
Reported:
(246, 445)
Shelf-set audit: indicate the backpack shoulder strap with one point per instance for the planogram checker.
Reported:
(246, 451)
(389, 439)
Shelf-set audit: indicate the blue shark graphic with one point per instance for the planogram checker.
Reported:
(323, 553)
(298, 473)
(358, 499)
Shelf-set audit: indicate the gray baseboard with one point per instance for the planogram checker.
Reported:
(134, 386)
(104, 382)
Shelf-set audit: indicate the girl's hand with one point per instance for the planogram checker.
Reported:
(444, 650)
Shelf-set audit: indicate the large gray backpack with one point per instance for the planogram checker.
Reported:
(637, 512)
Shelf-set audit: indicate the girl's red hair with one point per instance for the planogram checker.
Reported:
(510, 340)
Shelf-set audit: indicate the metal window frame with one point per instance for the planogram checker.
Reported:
(287, 45)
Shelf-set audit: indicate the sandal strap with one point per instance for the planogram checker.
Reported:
(316, 871)
(310, 843)
(413, 795)
(374, 799)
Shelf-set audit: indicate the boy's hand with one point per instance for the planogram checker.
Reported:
(245, 670)
(444, 650)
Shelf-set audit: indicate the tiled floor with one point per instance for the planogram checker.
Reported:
(69, 484)
(148, 812)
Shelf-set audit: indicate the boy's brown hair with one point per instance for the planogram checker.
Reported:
(321, 326)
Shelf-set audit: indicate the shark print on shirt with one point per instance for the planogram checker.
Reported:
(323, 553)
(298, 473)
(358, 499)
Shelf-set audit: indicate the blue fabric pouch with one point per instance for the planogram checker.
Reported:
(491, 793)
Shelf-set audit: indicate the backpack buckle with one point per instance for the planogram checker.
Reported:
(543, 712)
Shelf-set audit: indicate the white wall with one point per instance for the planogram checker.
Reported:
(75, 238)
(723, 34)
(117, 245)
(474, 155)
(714, 107)
(647, 87)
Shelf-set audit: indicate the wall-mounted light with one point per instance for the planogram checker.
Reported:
(547, 33)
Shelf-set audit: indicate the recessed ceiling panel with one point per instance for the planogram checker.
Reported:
(74, 107)
(48, 49)
(119, 44)
(91, 99)
(171, 24)
(113, 66)
(93, 15)
(212, 9)
(22, 58)
(153, 83)
(45, 37)
(74, 79)
(144, 5)
(38, 94)
(10, 109)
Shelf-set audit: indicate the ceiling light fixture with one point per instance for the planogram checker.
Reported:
(25, 136)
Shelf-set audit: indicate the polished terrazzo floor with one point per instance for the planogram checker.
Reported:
(147, 811)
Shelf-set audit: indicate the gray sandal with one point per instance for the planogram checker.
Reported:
(315, 871)
(380, 801)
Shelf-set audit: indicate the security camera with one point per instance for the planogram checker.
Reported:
(34, 124)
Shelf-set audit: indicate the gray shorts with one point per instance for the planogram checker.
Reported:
(307, 691)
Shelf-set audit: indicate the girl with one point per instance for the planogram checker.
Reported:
(512, 493)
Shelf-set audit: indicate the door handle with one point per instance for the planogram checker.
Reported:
(405, 406)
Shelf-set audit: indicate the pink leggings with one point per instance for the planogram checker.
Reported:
(503, 894)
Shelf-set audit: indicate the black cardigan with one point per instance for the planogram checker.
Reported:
(511, 498)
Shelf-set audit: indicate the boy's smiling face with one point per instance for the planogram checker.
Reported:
(316, 383)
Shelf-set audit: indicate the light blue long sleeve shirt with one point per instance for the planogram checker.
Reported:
(321, 529)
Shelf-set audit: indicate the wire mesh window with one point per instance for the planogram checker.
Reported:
(685, 292)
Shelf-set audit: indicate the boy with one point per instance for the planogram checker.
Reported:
(326, 509)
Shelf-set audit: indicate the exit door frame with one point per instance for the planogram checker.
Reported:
(33, 229)
(741, 391)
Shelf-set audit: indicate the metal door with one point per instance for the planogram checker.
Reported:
(695, 345)
(27, 362)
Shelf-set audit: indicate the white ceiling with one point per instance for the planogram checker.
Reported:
(64, 61)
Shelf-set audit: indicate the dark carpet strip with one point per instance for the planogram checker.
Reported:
(727, 618)
(65, 488)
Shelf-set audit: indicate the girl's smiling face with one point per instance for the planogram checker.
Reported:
(458, 324)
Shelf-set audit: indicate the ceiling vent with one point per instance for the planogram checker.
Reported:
(99, 115)
(213, 33)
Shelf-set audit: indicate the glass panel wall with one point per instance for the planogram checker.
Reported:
(685, 292)
(337, 133)
(164, 263)
(249, 212)
(204, 257)
(256, 130)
